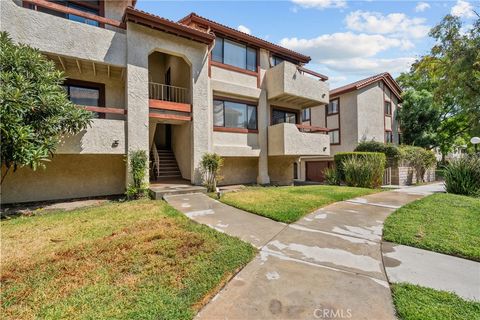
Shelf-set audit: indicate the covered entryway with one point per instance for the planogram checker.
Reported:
(315, 170)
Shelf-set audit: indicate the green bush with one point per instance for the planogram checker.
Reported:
(138, 168)
(462, 176)
(210, 165)
(373, 156)
(331, 176)
(388, 149)
(418, 158)
(366, 172)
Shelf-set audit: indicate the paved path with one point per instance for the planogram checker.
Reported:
(433, 270)
(328, 264)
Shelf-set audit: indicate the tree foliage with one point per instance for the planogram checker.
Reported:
(138, 168)
(441, 101)
(210, 165)
(34, 109)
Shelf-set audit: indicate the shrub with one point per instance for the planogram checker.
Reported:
(331, 176)
(462, 176)
(211, 164)
(388, 149)
(364, 172)
(138, 168)
(418, 158)
(375, 157)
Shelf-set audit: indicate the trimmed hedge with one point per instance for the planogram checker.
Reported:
(374, 157)
(389, 149)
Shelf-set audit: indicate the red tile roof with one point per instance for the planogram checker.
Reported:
(166, 25)
(194, 18)
(385, 77)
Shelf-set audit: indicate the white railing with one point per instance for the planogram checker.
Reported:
(159, 91)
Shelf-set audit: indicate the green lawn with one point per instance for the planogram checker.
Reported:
(132, 260)
(288, 204)
(418, 303)
(445, 223)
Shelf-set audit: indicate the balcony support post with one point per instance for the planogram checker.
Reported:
(263, 113)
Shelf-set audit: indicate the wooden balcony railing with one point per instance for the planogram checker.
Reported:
(303, 70)
(163, 92)
(102, 111)
(64, 9)
(312, 129)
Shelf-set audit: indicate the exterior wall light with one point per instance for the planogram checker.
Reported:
(115, 143)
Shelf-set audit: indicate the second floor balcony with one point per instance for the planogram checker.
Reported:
(288, 139)
(292, 85)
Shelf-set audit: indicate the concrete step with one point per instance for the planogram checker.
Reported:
(157, 193)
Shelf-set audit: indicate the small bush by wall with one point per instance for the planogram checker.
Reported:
(418, 158)
(462, 176)
(331, 176)
(138, 166)
(362, 169)
(388, 149)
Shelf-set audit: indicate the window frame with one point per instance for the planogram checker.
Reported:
(309, 114)
(390, 134)
(88, 85)
(327, 107)
(334, 143)
(88, 5)
(232, 129)
(389, 113)
(285, 110)
(227, 66)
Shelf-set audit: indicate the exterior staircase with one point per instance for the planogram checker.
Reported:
(168, 165)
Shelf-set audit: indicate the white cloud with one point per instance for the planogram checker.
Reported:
(421, 6)
(369, 66)
(244, 29)
(463, 9)
(321, 4)
(344, 45)
(396, 24)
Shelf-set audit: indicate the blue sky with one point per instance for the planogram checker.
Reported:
(347, 40)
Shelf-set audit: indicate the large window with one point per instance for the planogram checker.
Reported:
(84, 93)
(283, 116)
(235, 115)
(334, 136)
(388, 108)
(235, 54)
(333, 107)
(92, 7)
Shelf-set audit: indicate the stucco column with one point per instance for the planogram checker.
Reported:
(136, 90)
(263, 114)
(202, 116)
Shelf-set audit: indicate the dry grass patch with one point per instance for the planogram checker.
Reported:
(132, 260)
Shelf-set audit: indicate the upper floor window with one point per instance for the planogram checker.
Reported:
(306, 114)
(388, 108)
(235, 54)
(92, 7)
(283, 116)
(333, 107)
(276, 60)
(84, 93)
(237, 115)
(334, 136)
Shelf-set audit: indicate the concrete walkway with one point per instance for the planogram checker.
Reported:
(432, 270)
(326, 265)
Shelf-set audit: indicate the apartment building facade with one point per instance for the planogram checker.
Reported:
(361, 111)
(190, 86)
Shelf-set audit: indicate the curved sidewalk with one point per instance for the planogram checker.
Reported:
(326, 265)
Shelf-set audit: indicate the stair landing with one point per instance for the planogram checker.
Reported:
(160, 188)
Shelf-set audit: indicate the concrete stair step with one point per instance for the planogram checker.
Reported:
(158, 193)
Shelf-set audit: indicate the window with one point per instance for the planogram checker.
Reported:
(306, 114)
(282, 116)
(89, 7)
(388, 108)
(235, 54)
(295, 170)
(399, 138)
(276, 60)
(83, 93)
(388, 136)
(237, 115)
(334, 136)
(333, 107)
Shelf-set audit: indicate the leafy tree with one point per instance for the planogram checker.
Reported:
(441, 101)
(34, 109)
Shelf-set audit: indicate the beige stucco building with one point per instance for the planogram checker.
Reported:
(174, 89)
(363, 110)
